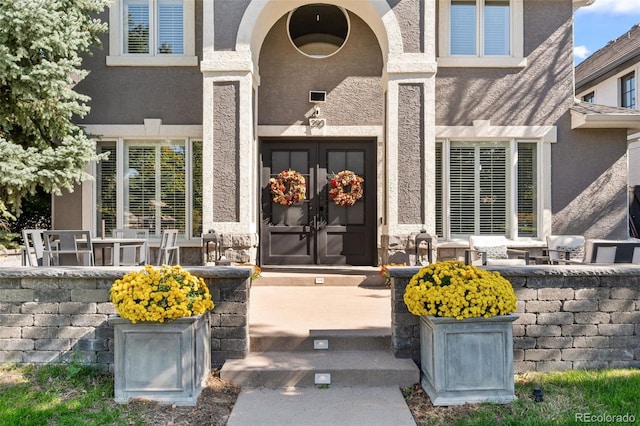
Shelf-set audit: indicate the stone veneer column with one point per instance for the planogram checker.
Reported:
(229, 153)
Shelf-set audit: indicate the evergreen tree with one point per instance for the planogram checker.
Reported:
(40, 46)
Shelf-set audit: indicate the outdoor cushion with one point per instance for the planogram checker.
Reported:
(575, 252)
(506, 262)
(494, 252)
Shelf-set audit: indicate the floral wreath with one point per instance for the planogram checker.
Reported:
(288, 187)
(339, 182)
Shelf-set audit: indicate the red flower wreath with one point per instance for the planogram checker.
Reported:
(288, 187)
(340, 182)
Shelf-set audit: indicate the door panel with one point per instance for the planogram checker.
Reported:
(318, 231)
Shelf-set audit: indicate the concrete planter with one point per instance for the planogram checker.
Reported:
(164, 362)
(468, 360)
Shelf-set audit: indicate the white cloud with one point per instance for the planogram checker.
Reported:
(581, 52)
(614, 7)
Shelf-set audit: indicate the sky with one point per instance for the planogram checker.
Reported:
(603, 21)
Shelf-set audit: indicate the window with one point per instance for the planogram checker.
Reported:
(152, 32)
(485, 33)
(157, 30)
(628, 91)
(484, 194)
(484, 20)
(589, 97)
(156, 185)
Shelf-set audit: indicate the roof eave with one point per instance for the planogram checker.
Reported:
(577, 4)
(581, 120)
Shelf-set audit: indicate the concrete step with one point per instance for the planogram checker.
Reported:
(362, 276)
(333, 340)
(274, 370)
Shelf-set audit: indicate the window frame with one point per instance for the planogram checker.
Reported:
(121, 143)
(629, 77)
(443, 217)
(117, 56)
(589, 97)
(516, 57)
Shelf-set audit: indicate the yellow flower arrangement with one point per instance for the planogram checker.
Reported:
(453, 289)
(160, 294)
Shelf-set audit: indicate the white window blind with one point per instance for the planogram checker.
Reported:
(496, 27)
(478, 189)
(488, 21)
(153, 27)
(463, 27)
(492, 196)
(137, 21)
(170, 27)
(106, 186)
(527, 194)
(140, 188)
(439, 198)
(462, 190)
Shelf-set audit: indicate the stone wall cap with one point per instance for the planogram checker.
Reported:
(620, 269)
(117, 272)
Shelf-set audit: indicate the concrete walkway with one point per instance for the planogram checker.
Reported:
(321, 407)
(304, 311)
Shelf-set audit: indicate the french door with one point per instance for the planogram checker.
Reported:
(317, 231)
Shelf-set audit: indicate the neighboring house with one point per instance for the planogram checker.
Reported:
(459, 116)
(610, 77)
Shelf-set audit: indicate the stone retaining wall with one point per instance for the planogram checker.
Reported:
(571, 317)
(57, 314)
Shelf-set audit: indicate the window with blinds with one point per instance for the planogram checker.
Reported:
(136, 17)
(463, 27)
(496, 27)
(153, 26)
(485, 20)
(170, 27)
(476, 198)
(106, 187)
(439, 183)
(160, 183)
(527, 190)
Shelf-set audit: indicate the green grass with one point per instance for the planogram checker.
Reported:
(61, 394)
(71, 394)
(570, 398)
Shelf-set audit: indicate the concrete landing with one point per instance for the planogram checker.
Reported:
(321, 407)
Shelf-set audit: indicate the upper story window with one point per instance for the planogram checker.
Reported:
(481, 33)
(589, 97)
(628, 91)
(152, 32)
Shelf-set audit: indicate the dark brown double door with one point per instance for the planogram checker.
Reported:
(317, 231)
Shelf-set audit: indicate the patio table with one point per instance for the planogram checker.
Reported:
(115, 244)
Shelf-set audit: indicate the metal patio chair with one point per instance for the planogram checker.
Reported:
(169, 251)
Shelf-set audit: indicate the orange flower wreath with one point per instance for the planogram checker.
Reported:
(340, 182)
(288, 187)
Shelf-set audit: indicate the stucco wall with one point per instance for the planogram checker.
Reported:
(589, 175)
(227, 15)
(225, 152)
(410, 16)
(128, 95)
(538, 94)
(350, 77)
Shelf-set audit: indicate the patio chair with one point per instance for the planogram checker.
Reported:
(493, 251)
(169, 250)
(574, 249)
(68, 248)
(133, 255)
(33, 252)
(636, 256)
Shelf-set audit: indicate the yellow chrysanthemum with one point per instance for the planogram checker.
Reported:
(161, 294)
(453, 289)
